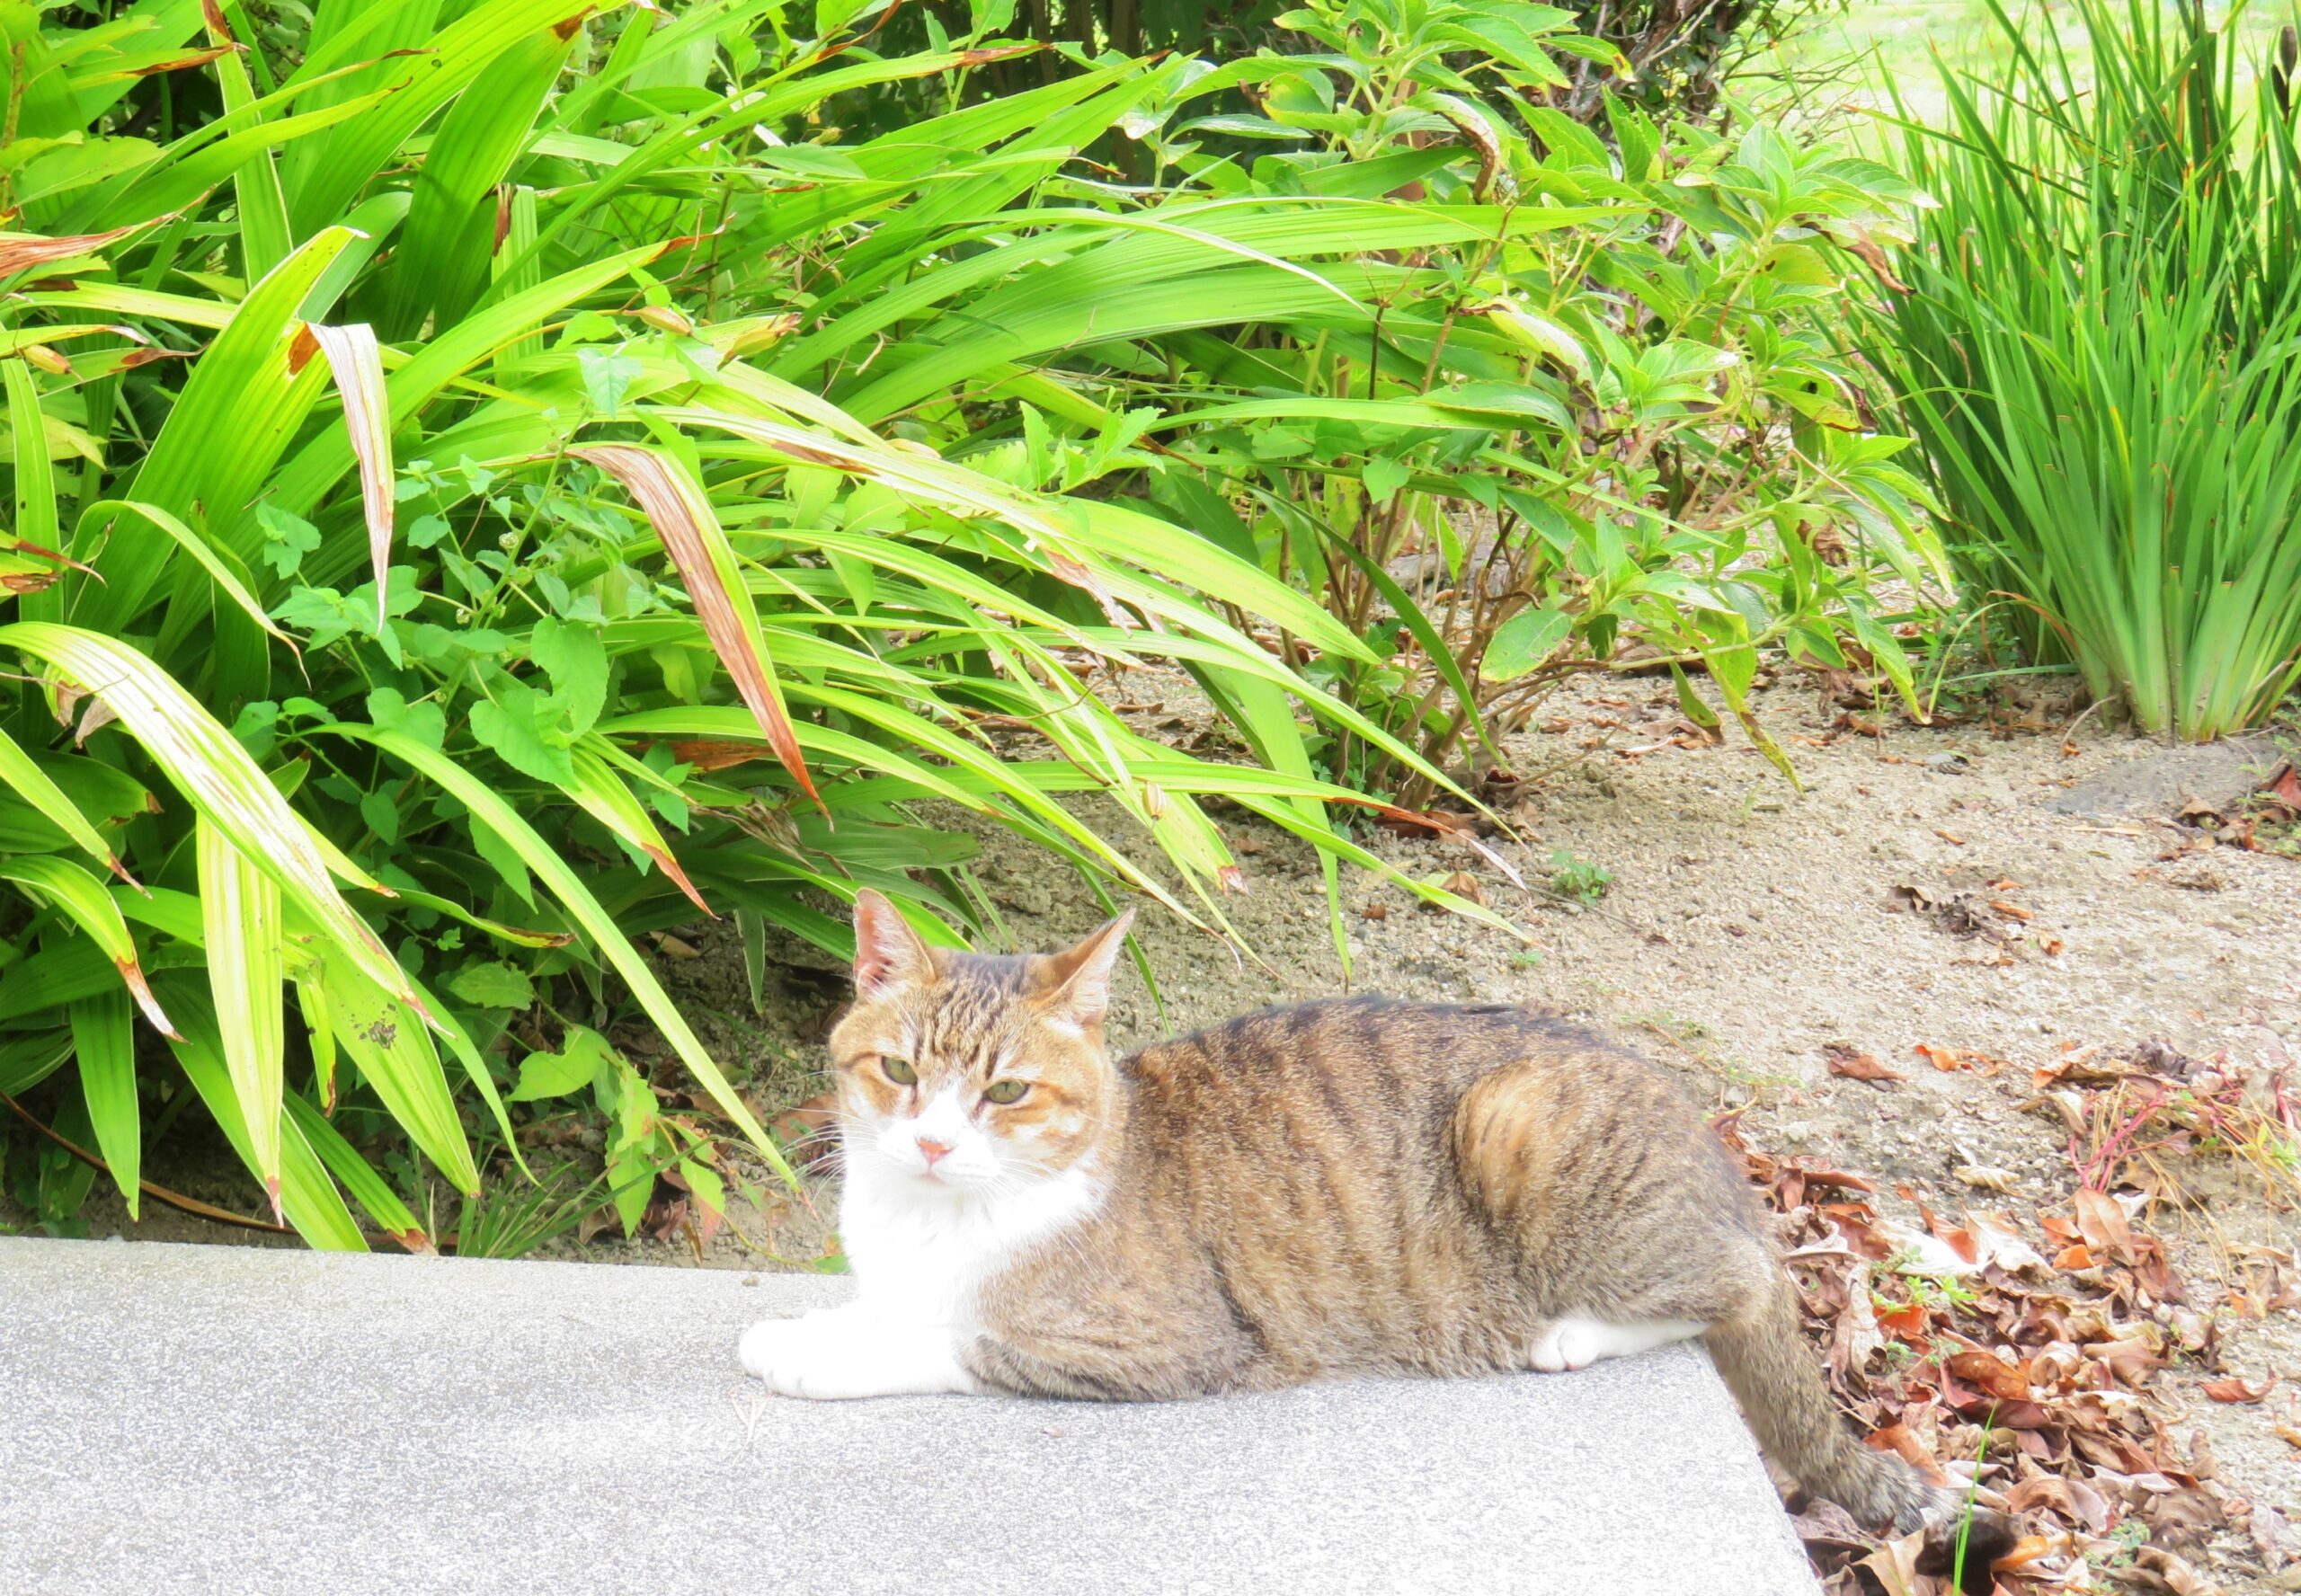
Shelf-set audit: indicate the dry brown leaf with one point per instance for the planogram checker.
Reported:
(1987, 1372)
(682, 514)
(2238, 1390)
(1895, 1566)
(1997, 1244)
(2103, 1223)
(808, 1133)
(1856, 1066)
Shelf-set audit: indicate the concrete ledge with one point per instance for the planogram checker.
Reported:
(227, 1419)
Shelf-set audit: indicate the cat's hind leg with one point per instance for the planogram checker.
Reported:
(1626, 1225)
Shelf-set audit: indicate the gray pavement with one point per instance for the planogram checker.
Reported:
(230, 1419)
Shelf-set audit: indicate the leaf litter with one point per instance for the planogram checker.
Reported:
(2023, 1359)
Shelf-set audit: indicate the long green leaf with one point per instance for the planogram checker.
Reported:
(240, 913)
(83, 898)
(308, 1199)
(211, 768)
(104, 1041)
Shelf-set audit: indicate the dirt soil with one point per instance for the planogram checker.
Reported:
(2007, 901)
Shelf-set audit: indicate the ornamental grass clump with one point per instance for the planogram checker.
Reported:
(2097, 349)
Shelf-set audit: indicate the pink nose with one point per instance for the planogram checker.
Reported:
(934, 1150)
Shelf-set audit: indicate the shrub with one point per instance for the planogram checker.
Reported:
(1606, 423)
(2096, 348)
(450, 568)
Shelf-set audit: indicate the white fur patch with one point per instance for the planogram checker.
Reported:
(1574, 1343)
(836, 1353)
(921, 1237)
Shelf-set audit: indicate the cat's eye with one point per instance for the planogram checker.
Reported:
(899, 1070)
(1004, 1092)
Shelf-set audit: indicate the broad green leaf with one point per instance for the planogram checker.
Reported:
(494, 985)
(240, 917)
(1523, 642)
(582, 1056)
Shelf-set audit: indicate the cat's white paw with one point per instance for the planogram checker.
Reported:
(1576, 1344)
(1567, 1345)
(834, 1355)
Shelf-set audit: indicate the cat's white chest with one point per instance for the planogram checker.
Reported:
(927, 1250)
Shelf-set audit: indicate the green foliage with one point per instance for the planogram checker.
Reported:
(1602, 416)
(2096, 350)
(487, 490)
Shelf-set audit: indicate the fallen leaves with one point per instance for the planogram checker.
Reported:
(1959, 1349)
(1948, 1059)
(1971, 903)
(1845, 1061)
(808, 1132)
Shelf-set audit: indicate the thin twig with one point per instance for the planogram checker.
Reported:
(175, 1200)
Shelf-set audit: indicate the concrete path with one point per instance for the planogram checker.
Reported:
(227, 1419)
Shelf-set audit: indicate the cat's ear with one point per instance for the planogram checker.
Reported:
(1077, 981)
(888, 953)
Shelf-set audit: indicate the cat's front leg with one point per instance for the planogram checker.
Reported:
(838, 1353)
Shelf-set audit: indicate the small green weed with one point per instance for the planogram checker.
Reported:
(1583, 881)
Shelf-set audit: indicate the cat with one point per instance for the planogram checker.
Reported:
(1348, 1185)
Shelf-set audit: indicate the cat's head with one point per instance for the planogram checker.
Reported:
(971, 1072)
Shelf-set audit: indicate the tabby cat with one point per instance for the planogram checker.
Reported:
(1336, 1186)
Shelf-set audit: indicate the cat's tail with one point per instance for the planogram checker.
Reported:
(1771, 1373)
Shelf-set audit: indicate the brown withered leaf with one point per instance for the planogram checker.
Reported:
(2103, 1225)
(1997, 1244)
(683, 516)
(1461, 884)
(1846, 1062)
(1894, 1565)
(1824, 1526)
(21, 252)
(808, 1133)
(2154, 1568)
(2238, 1390)
(1988, 1372)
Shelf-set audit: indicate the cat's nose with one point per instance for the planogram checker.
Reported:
(933, 1150)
